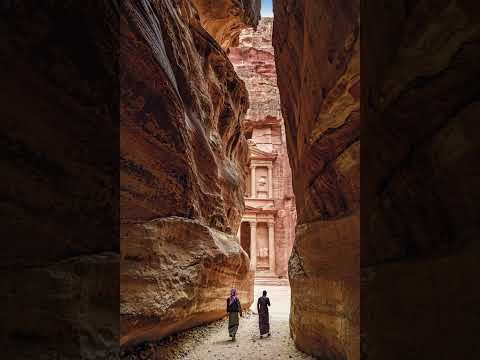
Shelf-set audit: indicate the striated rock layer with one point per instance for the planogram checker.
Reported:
(318, 65)
(254, 63)
(176, 274)
(183, 154)
(421, 226)
(225, 19)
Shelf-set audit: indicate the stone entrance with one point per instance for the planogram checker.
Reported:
(267, 231)
(257, 236)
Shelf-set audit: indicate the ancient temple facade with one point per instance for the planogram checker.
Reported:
(267, 230)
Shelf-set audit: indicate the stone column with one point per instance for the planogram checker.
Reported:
(270, 182)
(253, 245)
(253, 189)
(271, 246)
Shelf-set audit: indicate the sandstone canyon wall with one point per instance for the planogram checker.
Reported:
(183, 153)
(318, 65)
(225, 19)
(420, 84)
(59, 188)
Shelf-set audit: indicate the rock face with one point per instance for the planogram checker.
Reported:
(318, 64)
(421, 224)
(59, 188)
(175, 275)
(254, 62)
(225, 19)
(183, 154)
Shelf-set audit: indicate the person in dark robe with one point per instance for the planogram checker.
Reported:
(263, 319)
(233, 309)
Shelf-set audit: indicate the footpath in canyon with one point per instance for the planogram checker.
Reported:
(212, 341)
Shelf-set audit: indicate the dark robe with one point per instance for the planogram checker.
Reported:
(233, 320)
(263, 319)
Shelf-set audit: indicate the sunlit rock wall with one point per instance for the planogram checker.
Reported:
(183, 153)
(318, 64)
(225, 19)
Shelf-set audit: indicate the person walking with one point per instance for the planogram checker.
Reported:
(263, 319)
(233, 309)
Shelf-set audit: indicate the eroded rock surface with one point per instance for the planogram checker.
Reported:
(175, 274)
(255, 64)
(225, 19)
(183, 153)
(420, 229)
(318, 64)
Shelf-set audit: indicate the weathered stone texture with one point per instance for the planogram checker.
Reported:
(318, 64)
(183, 153)
(254, 62)
(421, 222)
(225, 19)
(175, 274)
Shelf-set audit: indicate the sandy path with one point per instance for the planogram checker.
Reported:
(212, 341)
(248, 344)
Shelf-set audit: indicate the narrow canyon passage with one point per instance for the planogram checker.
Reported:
(211, 341)
(267, 229)
(239, 165)
(175, 149)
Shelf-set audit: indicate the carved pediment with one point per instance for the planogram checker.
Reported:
(259, 206)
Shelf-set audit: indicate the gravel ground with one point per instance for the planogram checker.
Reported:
(212, 341)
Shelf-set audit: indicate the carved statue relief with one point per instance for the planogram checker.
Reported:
(262, 183)
(262, 187)
(262, 252)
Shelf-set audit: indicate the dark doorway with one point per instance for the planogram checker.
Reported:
(245, 237)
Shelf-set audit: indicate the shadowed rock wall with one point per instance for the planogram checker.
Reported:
(318, 64)
(183, 154)
(59, 188)
(420, 105)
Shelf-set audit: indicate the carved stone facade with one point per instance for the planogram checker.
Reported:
(268, 223)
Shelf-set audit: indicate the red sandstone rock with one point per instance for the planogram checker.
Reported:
(225, 19)
(183, 154)
(176, 274)
(317, 57)
(255, 64)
